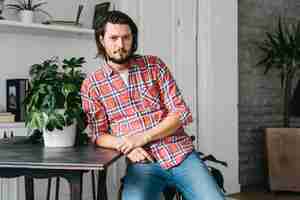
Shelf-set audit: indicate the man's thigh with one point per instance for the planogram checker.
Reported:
(193, 180)
(143, 182)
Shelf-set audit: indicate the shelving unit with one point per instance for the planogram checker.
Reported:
(34, 28)
(12, 125)
(13, 129)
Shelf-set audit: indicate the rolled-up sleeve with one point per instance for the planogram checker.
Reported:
(171, 95)
(94, 110)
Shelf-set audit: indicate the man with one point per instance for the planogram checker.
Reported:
(134, 106)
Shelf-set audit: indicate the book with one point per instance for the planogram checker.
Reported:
(15, 95)
(7, 117)
(5, 113)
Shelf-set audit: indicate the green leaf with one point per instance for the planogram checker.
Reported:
(38, 5)
(55, 121)
(68, 88)
(38, 120)
(14, 7)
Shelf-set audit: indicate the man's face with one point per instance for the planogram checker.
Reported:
(117, 41)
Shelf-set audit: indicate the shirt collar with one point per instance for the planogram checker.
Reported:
(108, 70)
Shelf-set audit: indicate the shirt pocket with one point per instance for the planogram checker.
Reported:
(150, 97)
(116, 116)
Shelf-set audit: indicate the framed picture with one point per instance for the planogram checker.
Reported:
(100, 10)
(15, 94)
(12, 97)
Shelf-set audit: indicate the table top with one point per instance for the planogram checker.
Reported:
(36, 156)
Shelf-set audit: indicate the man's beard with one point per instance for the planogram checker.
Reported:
(121, 60)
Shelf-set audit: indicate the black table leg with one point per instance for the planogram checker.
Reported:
(75, 182)
(49, 189)
(93, 184)
(102, 192)
(57, 188)
(29, 188)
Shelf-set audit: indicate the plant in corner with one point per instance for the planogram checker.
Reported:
(281, 50)
(26, 8)
(53, 100)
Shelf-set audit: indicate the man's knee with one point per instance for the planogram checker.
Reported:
(135, 191)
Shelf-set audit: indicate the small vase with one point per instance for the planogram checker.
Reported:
(26, 16)
(60, 138)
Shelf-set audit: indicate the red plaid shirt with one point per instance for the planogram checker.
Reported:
(119, 109)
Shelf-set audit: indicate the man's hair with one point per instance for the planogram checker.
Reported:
(114, 17)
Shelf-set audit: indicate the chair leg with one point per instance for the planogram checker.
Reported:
(93, 184)
(178, 196)
(120, 189)
(101, 186)
(49, 189)
(57, 188)
(169, 194)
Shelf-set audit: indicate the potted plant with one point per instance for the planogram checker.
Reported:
(281, 50)
(26, 9)
(53, 101)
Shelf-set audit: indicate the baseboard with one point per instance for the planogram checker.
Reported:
(232, 188)
(230, 198)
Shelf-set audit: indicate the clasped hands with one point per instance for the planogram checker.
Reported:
(132, 145)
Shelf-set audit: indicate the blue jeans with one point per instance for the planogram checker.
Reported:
(191, 178)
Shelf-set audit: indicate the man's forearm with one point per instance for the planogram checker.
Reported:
(107, 141)
(127, 143)
(167, 127)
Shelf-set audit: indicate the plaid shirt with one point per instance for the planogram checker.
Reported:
(113, 107)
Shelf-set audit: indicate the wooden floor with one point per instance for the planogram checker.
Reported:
(266, 196)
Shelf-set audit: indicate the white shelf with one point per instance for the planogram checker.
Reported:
(8, 25)
(12, 125)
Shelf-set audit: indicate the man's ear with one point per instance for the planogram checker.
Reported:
(101, 39)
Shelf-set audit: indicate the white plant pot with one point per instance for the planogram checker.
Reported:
(58, 138)
(26, 16)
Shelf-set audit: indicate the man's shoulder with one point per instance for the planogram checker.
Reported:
(94, 77)
(147, 59)
(148, 62)
(98, 74)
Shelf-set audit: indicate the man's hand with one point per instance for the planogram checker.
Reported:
(128, 143)
(139, 155)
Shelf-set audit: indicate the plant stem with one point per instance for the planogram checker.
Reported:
(287, 87)
(29, 5)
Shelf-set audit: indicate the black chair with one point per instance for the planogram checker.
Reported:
(171, 192)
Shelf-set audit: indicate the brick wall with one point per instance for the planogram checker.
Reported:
(259, 95)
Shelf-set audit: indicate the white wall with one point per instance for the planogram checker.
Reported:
(223, 86)
(18, 51)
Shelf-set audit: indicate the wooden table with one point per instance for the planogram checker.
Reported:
(36, 161)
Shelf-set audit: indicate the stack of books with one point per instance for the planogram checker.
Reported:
(6, 117)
